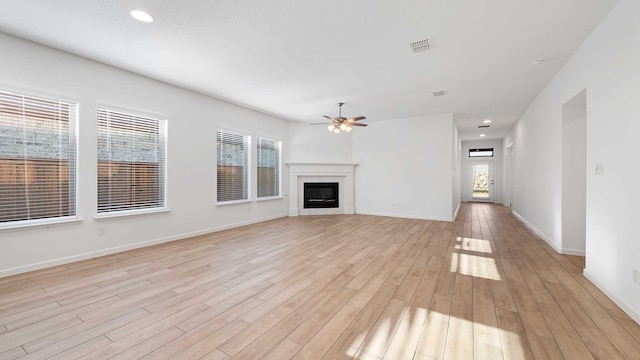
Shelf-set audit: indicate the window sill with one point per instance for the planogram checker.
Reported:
(232, 202)
(267, 198)
(117, 214)
(23, 224)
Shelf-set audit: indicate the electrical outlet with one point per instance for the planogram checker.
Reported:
(636, 276)
(102, 231)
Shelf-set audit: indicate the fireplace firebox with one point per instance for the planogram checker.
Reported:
(321, 195)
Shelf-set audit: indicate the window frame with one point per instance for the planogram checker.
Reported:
(163, 173)
(73, 132)
(278, 169)
(247, 168)
(481, 150)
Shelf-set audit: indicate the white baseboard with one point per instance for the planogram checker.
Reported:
(117, 249)
(565, 251)
(537, 232)
(455, 214)
(404, 216)
(576, 252)
(632, 313)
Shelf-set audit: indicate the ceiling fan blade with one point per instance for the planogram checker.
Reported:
(356, 118)
(343, 122)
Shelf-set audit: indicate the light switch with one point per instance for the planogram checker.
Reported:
(599, 169)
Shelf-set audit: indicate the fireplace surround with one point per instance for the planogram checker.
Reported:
(301, 173)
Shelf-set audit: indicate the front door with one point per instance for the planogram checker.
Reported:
(482, 181)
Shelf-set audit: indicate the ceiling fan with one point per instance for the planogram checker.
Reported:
(341, 123)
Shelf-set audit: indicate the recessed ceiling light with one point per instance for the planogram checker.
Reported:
(482, 135)
(141, 16)
(537, 61)
(486, 121)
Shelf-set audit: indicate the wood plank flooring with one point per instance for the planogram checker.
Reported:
(323, 287)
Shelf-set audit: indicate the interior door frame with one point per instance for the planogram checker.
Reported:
(509, 162)
(492, 187)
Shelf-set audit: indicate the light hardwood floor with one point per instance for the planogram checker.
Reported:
(331, 287)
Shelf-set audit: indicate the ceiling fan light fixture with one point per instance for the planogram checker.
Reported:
(341, 123)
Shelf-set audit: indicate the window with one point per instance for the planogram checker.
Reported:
(233, 172)
(268, 168)
(488, 152)
(131, 162)
(37, 158)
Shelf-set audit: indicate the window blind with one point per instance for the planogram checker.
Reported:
(37, 158)
(268, 168)
(131, 162)
(232, 171)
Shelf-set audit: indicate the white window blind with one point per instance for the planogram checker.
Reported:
(268, 168)
(131, 162)
(37, 158)
(232, 172)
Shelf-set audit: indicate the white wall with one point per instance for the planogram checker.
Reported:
(192, 122)
(456, 184)
(404, 167)
(316, 144)
(497, 160)
(608, 66)
(574, 178)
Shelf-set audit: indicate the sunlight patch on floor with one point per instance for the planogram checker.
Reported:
(353, 349)
(419, 315)
(453, 267)
(474, 265)
(378, 342)
(428, 333)
(476, 245)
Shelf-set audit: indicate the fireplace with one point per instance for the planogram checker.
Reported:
(321, 195)
(305, 173)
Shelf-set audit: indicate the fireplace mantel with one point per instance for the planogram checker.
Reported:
(299, 173)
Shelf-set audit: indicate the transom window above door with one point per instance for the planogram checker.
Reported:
(486, 152)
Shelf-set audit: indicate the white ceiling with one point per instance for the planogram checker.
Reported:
(297, 59)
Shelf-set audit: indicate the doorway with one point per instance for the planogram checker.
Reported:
(574, 175)
(508, 193)
(482, 181)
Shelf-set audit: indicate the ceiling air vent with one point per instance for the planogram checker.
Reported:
(483, 126)
(421, 45)
(440, 93)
